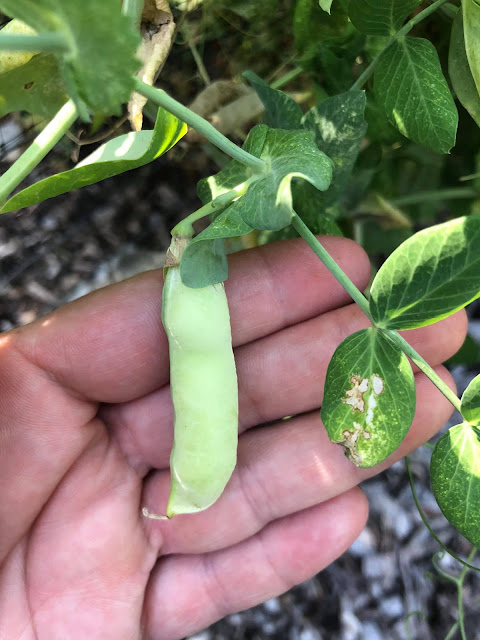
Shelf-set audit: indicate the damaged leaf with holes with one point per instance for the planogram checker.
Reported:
(369, 399)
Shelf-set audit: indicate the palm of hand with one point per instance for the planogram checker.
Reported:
(79, 561)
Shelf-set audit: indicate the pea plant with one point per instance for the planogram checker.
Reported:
(378, 79)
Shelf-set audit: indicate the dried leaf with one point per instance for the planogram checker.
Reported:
(157, 31)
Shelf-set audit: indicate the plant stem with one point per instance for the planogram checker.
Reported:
(362, 79)
(459, 193)
(427, 524)
(286, 78)
(331, 265)
(362, 302)
(460, 581)
(48, 42)
(162, 99)
(184, 228)
(39, 148)
(423, 366)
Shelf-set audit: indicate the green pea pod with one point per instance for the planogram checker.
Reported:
(204, 390)
(471, 30)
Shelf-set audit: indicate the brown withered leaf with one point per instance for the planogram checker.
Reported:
(157, 30)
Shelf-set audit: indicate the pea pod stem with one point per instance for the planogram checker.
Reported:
(162, 99)
(363, 303)
(43, 143)
(185, 227)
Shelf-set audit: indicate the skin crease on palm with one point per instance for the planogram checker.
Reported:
(85, 436)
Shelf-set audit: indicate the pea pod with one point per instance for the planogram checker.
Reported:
(204, 391)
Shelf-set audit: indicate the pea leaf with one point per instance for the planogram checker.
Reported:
(289, 154)
(459, 71)
(470, 406)
(98, 70)
(339, 127)
(235, 172)
(121, 154)
(204, 261)
(471, 30)
(308, 204)
(409, 83)
(369, 400)
(13, 59)
(380, 18)
(205, 264)
(326, 5)
(312, 25)
(455, 477)
(431, 275)
(36, 87)
(281, 111)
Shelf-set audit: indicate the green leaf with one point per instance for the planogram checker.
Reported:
(380, 18)
(12, 59)
(459, 71)
(281, 111)
(289, 154)
(205, 264)
(326, 5)
(455, 477)
(431, 275)
(339, 128)
(369, 399)
(312, 25)
(235, 172)
(409, 83)
(309, 206)
(204, 261)
(36, 87)
(99, 70)
(471, 402)
(471, 31)
(121, 154)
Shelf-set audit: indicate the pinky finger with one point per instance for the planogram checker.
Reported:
(189, 592)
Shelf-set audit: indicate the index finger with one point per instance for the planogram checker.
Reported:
(110, 345)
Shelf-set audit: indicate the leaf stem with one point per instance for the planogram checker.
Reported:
(458, 193)
(162, 99)
(39, 148)
(423, 366)
(422, 515)
(362, 302)
(331, 265)
(286, 78)
(460, 581)
(362, 79)
(41, 42)
(184, 228)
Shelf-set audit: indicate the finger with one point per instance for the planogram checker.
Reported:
(88, 559)
(283, 554)
(282, 469)
(279, 375)
(43, 429)
(110, 346)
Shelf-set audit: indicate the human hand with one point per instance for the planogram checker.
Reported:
(85, 436)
